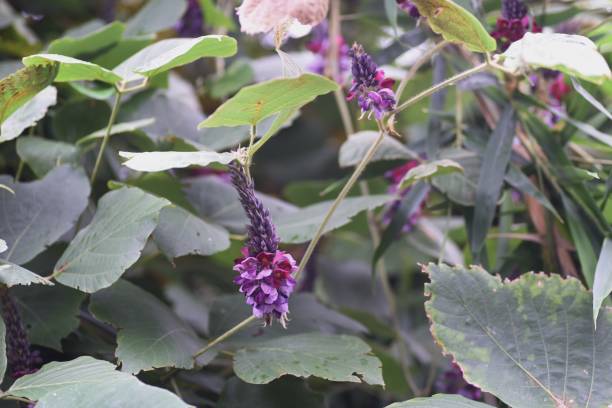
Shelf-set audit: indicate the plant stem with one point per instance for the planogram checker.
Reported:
(109, 127)
(450, 81)
(19, 170)
(418, 64)
(225, 335)
(341, 196)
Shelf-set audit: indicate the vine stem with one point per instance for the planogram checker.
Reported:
(225, 335)
(109, 128)
(450, 81)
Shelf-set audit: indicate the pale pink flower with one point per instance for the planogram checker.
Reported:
(262, 16)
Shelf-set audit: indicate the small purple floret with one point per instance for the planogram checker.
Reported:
(267, 282)
(370, 86)
(409, 8)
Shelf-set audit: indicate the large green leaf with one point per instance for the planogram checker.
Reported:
(72, 69)
(112, 242)
(11, 275)
(167, 54)
(28, 114)
(495, 161)
(301, 225)
(149, 334)
(88, 43)
(602, 286)
(23, 85)
(439, 401)
(156, 15)
(356, 146)
(331, 357)
(89, 383)
(49, 312)
(460, 187)
(160, 161)
(40, 212)
(181, 233)
(42, 155)
(289, 392)
(256, 102)
(531, 342)
(573, 54)
(456, 24)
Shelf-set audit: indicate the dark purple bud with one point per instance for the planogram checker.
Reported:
(513, 9)
(21, 359)
(261, 231)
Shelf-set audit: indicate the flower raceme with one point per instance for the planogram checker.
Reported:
(265, 273)
(513, 23)
(21, 359)
(370, 86)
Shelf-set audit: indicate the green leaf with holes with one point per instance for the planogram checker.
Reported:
(331, 357)
(456, 24)
(257, 102)
(531, 341)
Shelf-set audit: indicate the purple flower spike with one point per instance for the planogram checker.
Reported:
(21, 359)
(513, 23)
(370, 86)
(265, 272)
(409, 8)
(261, 231)
(267, 282)
(513, 9)
(192, 22)
(452, 382)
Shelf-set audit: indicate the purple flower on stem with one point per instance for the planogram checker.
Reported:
(265, 272)
(319, 45)
(452, 382)
(370, 86)
(192, 22)
(21, 359)
(409, 8)
(513, 23)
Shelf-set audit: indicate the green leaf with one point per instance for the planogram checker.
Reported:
(155, 16)
(43, 155)
(116, 129)
(495, 161)
(582, 239)
(149, 334)
(460, 187)
(430, 170)
(256, 102)
(11, 275)
(301, 225)
(288, 392)
(590, 98)
(89, 43)
(238, 74)
(164, 55)
(391, 12)
(574, 55)
(160, 161)
(331, 357)
(41, 211)
(89, 383)
(521, 182)
(112, 242)
(18, 88)
(49, 312)
(602, 286)
(214, 17)
(354, 149)
(28, 114)
(530, 342)
(456, 24)
(440, 401)
(181, 233)
(72, 69)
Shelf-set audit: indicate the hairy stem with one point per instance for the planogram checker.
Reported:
(109, 128)
(225, 335)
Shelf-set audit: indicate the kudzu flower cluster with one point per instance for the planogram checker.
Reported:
(513, 23)
(370, 86)
(265, 272)
(20, 357)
